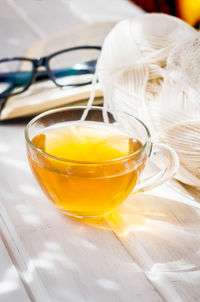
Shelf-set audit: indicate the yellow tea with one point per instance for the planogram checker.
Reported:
(85, 168)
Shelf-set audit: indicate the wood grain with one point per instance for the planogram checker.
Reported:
(11, 287)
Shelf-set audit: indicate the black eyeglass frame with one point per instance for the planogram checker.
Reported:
(47, 73)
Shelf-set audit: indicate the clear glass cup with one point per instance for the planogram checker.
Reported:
(87, 188)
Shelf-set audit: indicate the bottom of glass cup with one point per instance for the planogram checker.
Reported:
(85, 217)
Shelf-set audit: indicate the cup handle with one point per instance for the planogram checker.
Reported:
(170, 169)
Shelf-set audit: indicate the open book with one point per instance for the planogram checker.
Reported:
(45, 95)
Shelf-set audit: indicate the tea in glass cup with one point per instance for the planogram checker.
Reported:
(87, 167)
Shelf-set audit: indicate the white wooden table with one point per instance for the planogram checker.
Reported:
(152, 255)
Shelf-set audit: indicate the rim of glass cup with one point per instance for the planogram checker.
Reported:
(49, 112)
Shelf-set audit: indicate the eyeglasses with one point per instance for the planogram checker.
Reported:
(69, 67)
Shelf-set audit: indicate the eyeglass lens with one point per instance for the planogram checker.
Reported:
(15, 76)
(74, 67)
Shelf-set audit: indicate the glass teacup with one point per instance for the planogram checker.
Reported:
(88, 160)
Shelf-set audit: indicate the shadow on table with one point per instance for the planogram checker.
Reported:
(161, 234)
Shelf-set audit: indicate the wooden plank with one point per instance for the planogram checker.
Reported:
(21, 22)
(11, 287)
(98, 11)
(21, 260)
(46, 16)
(72, 260)
(15, 35)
